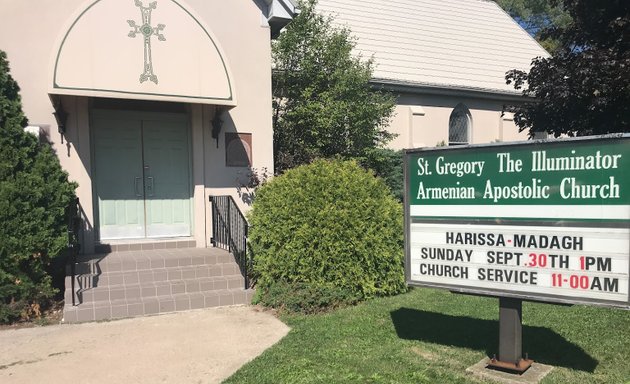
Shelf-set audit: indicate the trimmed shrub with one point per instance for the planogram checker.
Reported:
(326, 234)
(34, 193)
(304, 297)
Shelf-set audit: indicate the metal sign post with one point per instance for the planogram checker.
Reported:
(511, 337)
(540, 220)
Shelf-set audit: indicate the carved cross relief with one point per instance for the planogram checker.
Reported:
(147, 31)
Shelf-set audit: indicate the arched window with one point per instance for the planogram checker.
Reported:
(459, 126)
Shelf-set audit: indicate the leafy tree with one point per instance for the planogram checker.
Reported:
(536, 16)
(34, 193)
(323, 102)
(584, 89)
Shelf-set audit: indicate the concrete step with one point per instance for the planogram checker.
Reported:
(94, 280)
(149, 260)
(156, 288)
(144, 245)
(135, 283)
(132, 307)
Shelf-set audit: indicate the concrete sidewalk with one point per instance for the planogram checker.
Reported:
(200, 346)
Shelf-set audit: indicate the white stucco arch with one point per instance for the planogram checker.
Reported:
(141, 49)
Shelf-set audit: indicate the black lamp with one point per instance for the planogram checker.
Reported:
(217, 123)
(61, 116)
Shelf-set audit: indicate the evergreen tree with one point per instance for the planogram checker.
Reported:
(537, 16)
(34, 193)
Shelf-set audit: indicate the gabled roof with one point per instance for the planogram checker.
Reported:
(456, 44)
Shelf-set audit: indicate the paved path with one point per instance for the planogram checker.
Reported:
(200, 346)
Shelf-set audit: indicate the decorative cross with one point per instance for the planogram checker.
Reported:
(147, 31)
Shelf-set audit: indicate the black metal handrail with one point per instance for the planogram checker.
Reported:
(73, 213)
(229, 232)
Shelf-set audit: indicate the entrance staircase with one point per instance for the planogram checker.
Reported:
(129, 283)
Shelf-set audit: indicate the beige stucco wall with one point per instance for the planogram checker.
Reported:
(30, 34)
(421, 120)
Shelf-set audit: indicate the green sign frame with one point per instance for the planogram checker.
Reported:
(534, 195)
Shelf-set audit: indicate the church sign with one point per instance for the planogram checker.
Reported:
(540, 220)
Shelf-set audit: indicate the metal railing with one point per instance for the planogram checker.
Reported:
(229, 232)
(73, 213)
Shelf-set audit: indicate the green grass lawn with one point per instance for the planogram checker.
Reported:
(432, 336)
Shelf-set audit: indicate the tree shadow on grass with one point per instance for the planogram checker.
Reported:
(543, 345)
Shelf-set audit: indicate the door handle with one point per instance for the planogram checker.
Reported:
(135, 186)
(150, 185)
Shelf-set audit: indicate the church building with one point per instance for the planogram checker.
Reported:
(446, 61)
(151, 105)
(157, 109)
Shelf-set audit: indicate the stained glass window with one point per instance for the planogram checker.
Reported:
(459, 126)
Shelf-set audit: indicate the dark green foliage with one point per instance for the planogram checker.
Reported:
(388, 165)
(536, 16)
(323, 103)
(584, 89)
(326, 225)
(34, 193)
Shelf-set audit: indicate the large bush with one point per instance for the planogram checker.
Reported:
(325, 234)
(34, 192)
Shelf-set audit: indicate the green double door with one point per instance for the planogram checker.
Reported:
(142, 175)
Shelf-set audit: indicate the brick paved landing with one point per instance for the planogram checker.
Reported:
(137, 283)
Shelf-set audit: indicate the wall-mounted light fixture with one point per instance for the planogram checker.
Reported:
(217, 123)
(61, 116)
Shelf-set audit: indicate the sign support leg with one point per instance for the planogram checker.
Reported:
(510, 337)
(510, 329)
